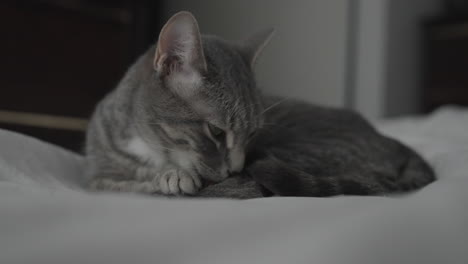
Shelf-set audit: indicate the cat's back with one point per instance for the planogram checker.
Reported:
(328, 151)
(317, 130)
(311, 117)
(113, 117)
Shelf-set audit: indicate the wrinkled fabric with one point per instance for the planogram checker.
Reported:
(46, 217)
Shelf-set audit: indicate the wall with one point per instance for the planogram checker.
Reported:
(306, 58)
(404, 61)
(326, 53)
(389, 55)
(371, 38)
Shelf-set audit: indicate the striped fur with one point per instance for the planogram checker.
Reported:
(152, 133)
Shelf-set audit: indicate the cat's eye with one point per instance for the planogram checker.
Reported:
(216, 131)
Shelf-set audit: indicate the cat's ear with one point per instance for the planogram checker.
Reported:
(179, 48)
(254, 45)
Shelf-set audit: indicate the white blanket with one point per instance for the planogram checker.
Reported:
(46, 218)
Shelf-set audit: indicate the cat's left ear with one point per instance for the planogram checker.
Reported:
(254, 45)
(179, 48)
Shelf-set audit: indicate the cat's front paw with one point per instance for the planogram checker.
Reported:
(176, 181)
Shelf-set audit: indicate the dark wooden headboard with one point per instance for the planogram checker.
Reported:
(445, 79)
(60, 57)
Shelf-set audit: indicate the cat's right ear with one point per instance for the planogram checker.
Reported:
(179, 49)
(254, 45)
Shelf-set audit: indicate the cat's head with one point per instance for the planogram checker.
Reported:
(215, 107)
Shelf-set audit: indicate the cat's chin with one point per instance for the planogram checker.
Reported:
(212, 179)
(208, 174)
(206, 183)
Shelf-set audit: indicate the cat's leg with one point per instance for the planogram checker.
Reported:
(109, 184)
(168, 180)
(175, 181)
(122, 177)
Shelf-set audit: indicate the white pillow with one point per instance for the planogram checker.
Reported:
(24, 159)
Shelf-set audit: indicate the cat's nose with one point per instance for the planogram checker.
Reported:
(236, 161)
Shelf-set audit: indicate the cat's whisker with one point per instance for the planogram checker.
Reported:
(274, 105)
(202, 163)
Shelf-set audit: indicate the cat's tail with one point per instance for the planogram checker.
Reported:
(414, 172)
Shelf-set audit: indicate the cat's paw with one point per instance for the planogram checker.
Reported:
(176, 181)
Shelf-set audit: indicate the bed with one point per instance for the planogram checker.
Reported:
(47, 217)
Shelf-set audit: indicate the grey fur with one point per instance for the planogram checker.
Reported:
(298, 149)
(317, 151)
(167, 98)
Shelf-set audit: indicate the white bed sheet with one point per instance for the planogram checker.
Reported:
(46, 218)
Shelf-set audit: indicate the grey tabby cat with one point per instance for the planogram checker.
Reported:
(188, 115)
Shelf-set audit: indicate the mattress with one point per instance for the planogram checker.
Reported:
(47, 217)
